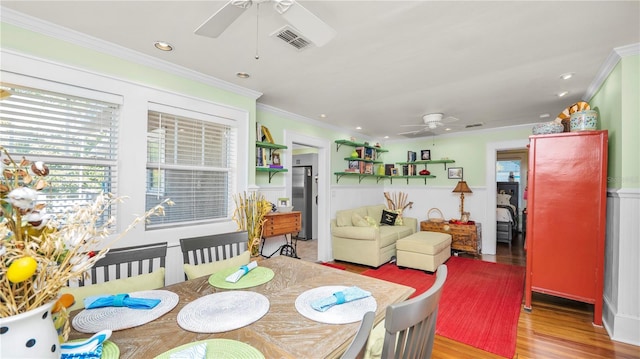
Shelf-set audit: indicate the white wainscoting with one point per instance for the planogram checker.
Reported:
(621, 312)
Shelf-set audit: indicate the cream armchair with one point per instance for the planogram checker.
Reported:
(358, 237)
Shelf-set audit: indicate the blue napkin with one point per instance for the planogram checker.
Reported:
(93, 354)
(347, 295)
(119, 300)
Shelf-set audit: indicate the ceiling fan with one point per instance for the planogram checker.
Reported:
(432, 122)
(309, 25)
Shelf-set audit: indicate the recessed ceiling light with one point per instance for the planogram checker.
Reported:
(164, 46)
(386, 136)
(322, 115)
(358, 128)
(563, 93)
(544, 115)
(242, 75)
(566, 76)
(447, 129)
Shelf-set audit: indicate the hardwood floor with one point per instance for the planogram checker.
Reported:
(555, 328)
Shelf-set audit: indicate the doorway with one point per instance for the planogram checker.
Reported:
(489, 238)
(322, 148)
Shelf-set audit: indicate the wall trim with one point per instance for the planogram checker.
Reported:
(30, 23)
(608, 66)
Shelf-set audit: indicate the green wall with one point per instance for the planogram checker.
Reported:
(619, 109)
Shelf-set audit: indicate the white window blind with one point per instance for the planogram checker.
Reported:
(190, 161)
(76, 137)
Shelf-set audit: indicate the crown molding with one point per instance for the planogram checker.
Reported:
(290, 115)
(30, 23)
(608, 66)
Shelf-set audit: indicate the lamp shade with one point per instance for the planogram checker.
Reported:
(462, 187)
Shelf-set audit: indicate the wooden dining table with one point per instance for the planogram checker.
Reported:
(281, 333)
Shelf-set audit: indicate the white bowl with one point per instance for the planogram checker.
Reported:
(285, 209)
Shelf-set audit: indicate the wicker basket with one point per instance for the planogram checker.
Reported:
(433, 211)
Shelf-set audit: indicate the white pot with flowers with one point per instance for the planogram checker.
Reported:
(40, 253)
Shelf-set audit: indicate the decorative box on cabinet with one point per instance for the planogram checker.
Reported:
(566, 214)
(464, 237)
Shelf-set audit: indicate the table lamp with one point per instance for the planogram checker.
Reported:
(462, 188)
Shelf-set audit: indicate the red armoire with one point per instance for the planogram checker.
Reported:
(566, 209)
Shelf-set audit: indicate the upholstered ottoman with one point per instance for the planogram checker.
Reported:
(423, 250)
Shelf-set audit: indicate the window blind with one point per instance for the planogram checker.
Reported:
(75, 136)
(190, 161)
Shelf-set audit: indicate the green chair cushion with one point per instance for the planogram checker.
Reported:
(194, 271)
(147, 281)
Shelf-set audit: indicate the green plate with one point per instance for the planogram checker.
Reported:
(220, 348)
(109, 349)
(257, 276)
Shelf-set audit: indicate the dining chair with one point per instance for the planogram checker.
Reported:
(357, 347)
(410, 326)
(128, 262)
(213, 248)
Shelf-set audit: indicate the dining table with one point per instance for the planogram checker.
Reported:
(283, 332)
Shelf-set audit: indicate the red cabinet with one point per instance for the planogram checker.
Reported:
(566, 211)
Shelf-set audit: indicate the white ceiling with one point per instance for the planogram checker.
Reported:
(497, 63)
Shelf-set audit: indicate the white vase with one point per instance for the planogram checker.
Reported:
(29, 335)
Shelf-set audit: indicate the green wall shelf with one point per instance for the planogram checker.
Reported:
(360, 176)
(357, 144)
(271, 171)
(427, 162)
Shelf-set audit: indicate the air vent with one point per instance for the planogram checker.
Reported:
(292, 37)
(474, 125)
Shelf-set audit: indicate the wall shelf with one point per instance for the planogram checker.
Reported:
(427, 162)
(271, 148)
(360, 176)
(425, 177)
(357, 144)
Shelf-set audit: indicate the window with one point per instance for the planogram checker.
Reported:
(75, 136)
(506, 168)
(189, 160)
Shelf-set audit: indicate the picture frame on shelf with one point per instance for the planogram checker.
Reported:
(425, 155)
(368, 168)
(394, 171)
(354, 165)
(284, 202)
(455, 173)
(275, 158)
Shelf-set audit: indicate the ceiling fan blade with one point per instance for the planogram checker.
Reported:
(218, 22)
(314, 29)
(413, 125)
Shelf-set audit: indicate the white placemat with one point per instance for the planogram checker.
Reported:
(222, 312)
(118, 318)
(350, 312)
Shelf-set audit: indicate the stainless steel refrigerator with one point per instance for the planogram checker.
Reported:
(302, 192)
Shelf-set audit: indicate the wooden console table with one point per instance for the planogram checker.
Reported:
(464, 237)
(282, 224)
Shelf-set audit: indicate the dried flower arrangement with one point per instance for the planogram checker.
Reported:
(249, 215)
(41, 252)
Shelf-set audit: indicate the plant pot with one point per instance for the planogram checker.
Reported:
(29, 335)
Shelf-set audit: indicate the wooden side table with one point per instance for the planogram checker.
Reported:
(282, 224)
(464, 237)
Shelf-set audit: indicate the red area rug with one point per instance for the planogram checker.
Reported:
(333, 265)
(480, 303)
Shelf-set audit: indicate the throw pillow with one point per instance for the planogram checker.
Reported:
(147, 281)
(372, 222)
(388, 217)
(358, 220)
(194, 271)
(503, 199)
(399, 221)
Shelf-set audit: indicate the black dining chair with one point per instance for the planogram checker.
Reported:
(128, 262)
(357, 347)
(213, 248)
